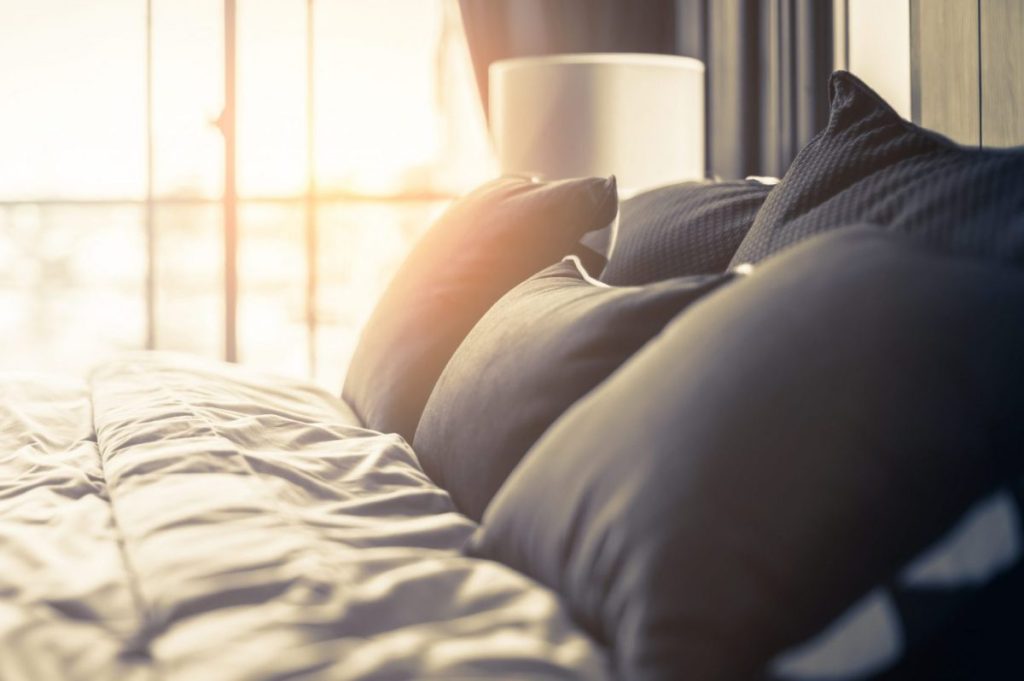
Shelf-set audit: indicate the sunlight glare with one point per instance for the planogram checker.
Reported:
(74, 108)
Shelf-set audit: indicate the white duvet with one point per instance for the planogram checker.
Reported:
(171, 519)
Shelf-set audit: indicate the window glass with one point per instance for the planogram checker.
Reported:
(188, 95)
(398, 131)
(72, 86)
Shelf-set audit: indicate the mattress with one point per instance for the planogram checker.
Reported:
(167, 518)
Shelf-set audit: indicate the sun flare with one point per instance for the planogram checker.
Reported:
(74, 110)
(395, 115)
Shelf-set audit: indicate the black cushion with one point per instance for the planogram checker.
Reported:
(483, 245)
(952, 612)
(781, 447)
(539, 349)
(682, 229)
(869, 164)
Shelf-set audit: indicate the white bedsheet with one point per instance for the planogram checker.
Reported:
(173, 519)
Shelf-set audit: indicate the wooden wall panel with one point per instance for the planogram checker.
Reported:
(1002, 72)
(946, 87)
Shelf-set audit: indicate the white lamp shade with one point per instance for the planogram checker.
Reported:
(637, 116)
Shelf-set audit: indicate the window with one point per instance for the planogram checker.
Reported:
(89, 266)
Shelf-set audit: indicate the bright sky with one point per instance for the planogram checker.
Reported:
(72, 91)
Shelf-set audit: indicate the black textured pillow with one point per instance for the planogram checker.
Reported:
(483, 245)
(540, 348)
(682, 229)
(869, 164)
(778, 450)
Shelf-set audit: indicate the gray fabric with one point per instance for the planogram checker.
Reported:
(870, 165)
(682, 229)
(782, 447)
(176, 519)
(485, 243)
(928, 622)
(768, 64)
(543, 346)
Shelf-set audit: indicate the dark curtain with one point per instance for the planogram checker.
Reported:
(767, 60)
(499, 29)
(768, 63)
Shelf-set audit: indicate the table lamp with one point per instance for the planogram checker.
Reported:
(637, 116)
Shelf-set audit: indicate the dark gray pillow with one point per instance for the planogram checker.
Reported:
(870, 165)
(780, 448)
(540, 348)
(682, 229)
(484, 244)
(952, 612)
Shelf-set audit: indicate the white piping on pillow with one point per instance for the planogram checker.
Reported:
(583, 272)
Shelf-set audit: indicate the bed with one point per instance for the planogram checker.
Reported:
(551, 462)
(173, 519)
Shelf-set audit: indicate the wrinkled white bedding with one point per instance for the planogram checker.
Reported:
(172, 519)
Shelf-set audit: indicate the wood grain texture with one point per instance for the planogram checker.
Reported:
(1002, 72)
(945, 68)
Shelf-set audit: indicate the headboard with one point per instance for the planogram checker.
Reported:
(956, 66)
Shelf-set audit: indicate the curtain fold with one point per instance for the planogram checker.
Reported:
(767, 60)
(768, 63)
(500, 29)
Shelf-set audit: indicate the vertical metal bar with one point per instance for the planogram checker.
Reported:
(150, 224)
(311, 222)
(227, 124)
